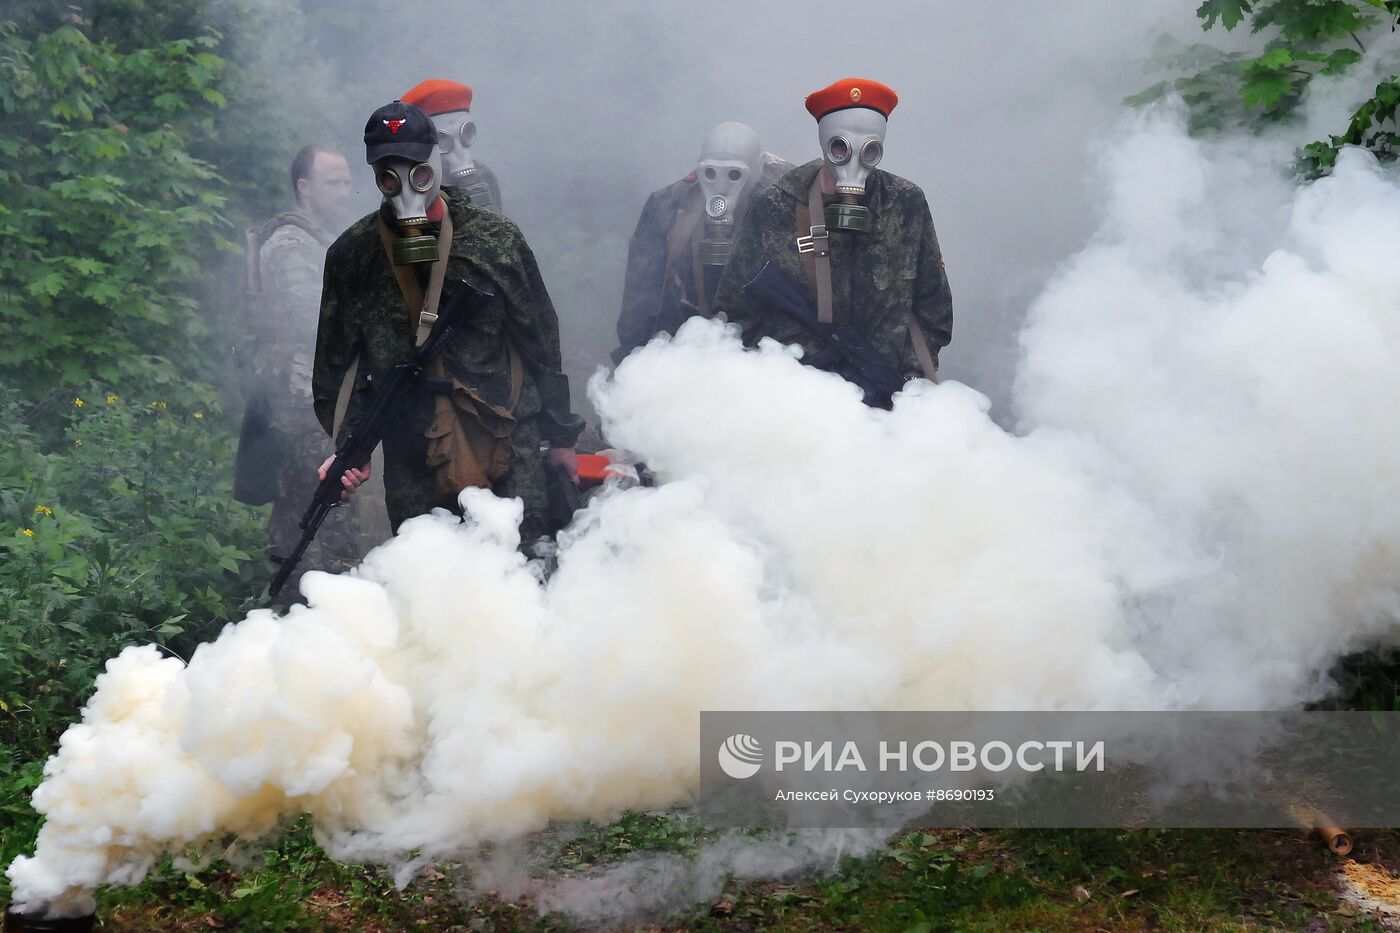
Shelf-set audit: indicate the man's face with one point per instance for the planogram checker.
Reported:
(326, 192)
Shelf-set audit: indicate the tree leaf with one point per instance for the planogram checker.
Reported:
(1229, 12)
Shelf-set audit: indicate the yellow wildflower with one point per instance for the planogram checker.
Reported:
(77, 442)
(29, 532)
(44, 510)
(199, 416)
(77, 403)
(111, 399)
(161, 405)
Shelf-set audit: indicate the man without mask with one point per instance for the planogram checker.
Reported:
(686, 232)
(449, 105)
(859, 240)
(503, 357)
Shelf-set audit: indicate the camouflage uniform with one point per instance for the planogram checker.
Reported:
(362, 310)
(484, 176)
(876, 276)
(658, 299)
(290, 264)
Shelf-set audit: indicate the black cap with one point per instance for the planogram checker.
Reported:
(399, 129)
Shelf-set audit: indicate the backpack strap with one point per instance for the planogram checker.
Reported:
(254, 238)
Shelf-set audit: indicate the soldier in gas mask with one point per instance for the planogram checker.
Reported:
(449, 105)
(500, 391)
(857, 239)
(684, 236)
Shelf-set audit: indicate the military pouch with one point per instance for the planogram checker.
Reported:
(469, 437)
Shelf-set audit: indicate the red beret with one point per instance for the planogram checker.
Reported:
(437, 95)
(849, 92)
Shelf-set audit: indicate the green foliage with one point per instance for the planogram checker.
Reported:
(1365, 129)
(107, 218)
(120, 531)
(1304, 39)
(125, 534)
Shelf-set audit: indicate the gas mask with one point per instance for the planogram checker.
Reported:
(455, 135)
(731, 162)
(853, 142)
(410, 188)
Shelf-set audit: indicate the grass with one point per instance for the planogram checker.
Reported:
(926, 881)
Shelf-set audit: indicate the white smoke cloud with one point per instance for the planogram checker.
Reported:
(1198, 511)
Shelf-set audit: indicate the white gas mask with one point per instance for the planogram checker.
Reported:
(731, 162)
(410, 189)
(456, 133)
(853, 142)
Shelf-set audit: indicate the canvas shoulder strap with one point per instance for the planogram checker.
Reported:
(681, 241)
(683, 230)
(813, 243)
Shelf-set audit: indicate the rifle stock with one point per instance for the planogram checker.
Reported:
(844, 350)
(354, 452)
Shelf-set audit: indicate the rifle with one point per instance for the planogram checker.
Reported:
(844, 350)
(404, 379)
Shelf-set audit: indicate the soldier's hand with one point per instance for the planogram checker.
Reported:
(566, 459)
(353, 478)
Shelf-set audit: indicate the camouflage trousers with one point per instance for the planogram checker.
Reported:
(341, 542)
(409, 489)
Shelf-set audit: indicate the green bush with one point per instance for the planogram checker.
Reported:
(121, 530)
(108, 220)
(125, 534)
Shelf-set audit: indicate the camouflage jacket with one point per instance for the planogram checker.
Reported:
(876, 276)
(482, 188)
(656, 298)
(363, 311)
(285, 314)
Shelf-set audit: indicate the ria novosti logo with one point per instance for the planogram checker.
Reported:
(740, 756)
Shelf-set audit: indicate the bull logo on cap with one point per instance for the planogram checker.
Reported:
(394, 125)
